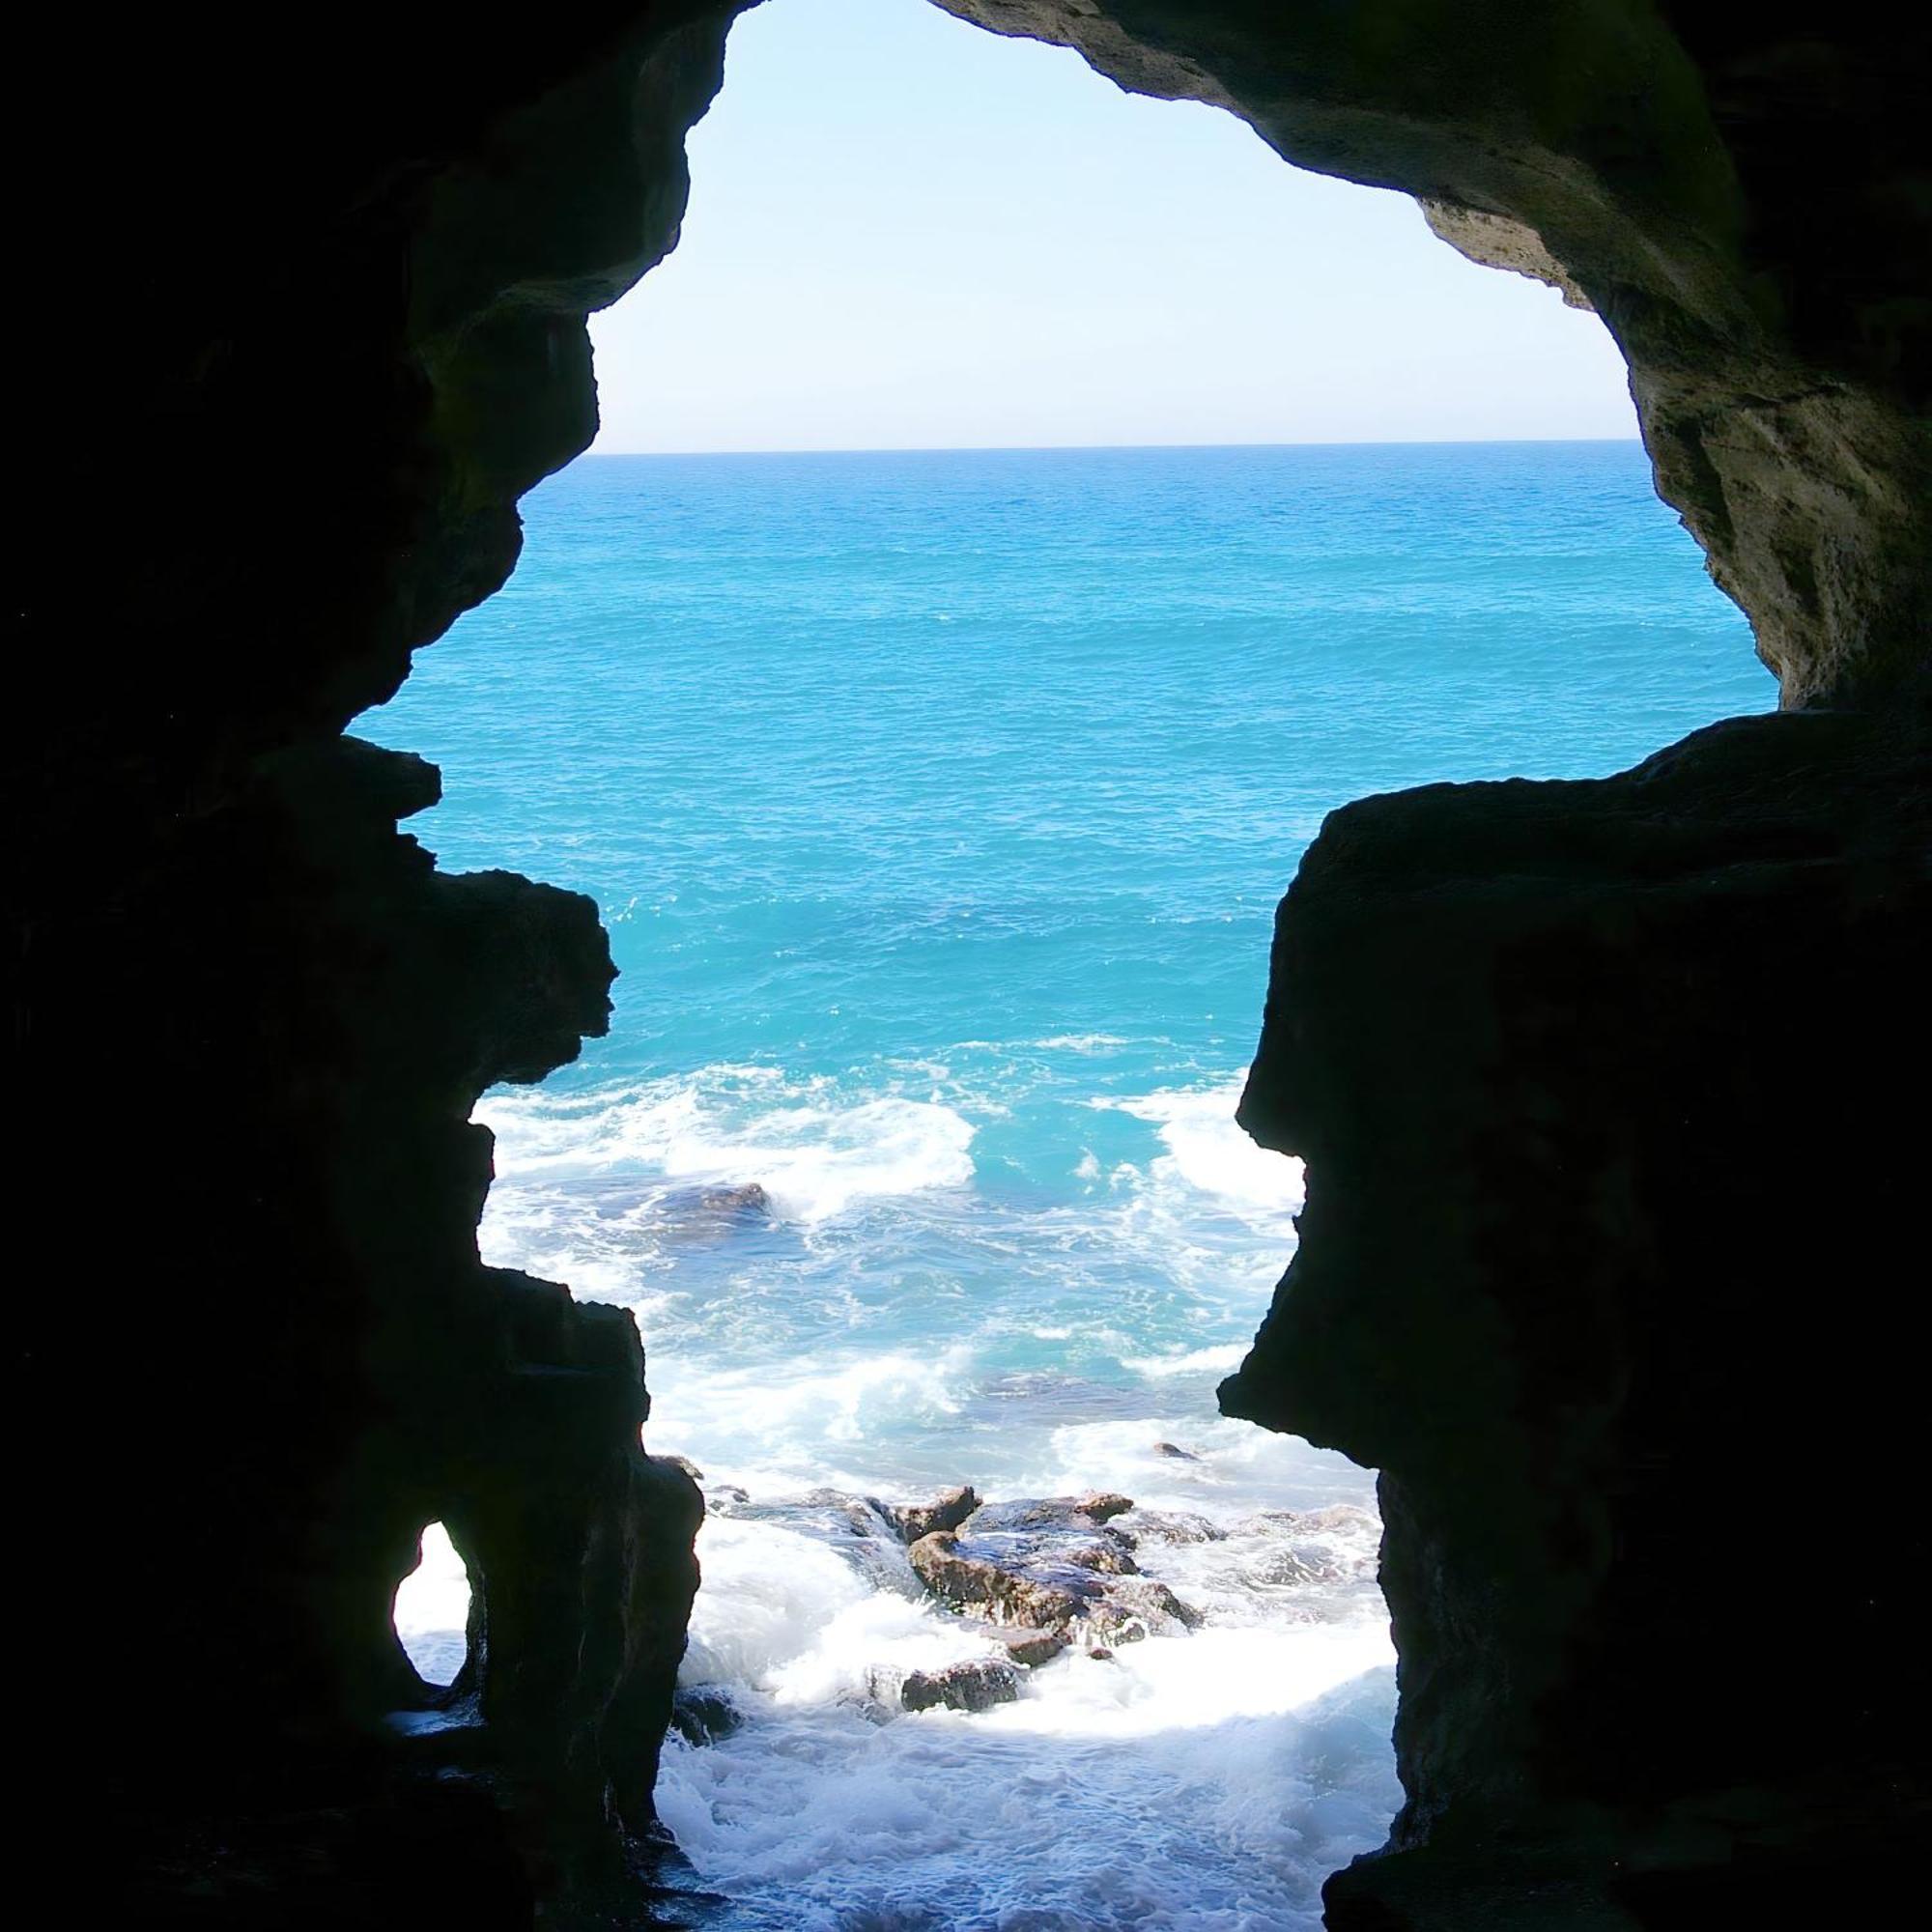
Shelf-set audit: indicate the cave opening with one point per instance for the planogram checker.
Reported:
(938, 811)
(1546, 1047)
(432, 1611)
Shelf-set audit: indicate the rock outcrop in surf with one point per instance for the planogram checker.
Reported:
(1059, 1565)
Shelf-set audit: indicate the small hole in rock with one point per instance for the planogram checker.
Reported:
(432, 1613)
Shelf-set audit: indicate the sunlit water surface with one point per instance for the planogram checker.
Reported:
(938, 807)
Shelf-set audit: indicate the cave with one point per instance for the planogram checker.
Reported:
(1608, 1090)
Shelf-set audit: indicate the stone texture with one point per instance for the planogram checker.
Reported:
(977, 1685)
(1497, 242)
(947, 1510)
(1051, 1565)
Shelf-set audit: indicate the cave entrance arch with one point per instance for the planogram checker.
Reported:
(725, 1202)
(404, 290)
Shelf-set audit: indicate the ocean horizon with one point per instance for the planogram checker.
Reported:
(938, 804)
(596, 455)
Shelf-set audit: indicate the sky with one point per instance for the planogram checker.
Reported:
(907, 232)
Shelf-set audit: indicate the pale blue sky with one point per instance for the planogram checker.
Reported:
(905, 232)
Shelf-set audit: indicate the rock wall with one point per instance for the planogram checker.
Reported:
(309, 320)
(299, 315)
(1612, 1216)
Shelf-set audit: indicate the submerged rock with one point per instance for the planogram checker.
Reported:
(749, 1198)
(700, 1714)
(1139, 1607)
(1172, 1527)
(712, 1213)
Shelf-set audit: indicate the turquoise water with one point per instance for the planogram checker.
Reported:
(938, 805)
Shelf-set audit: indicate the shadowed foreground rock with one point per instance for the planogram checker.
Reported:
(1608, 1093)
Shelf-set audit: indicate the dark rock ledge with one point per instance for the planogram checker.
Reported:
(1610, 1264)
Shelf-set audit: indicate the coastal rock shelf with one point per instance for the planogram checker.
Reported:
(1016, 1584)
(1612, 1094)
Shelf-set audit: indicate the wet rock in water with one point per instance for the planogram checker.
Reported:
(1170, 1526)
(1052, 1516)
(1295, 1563)
(748, 1199)
(1175, 1452)
(1321, 1545)
(1139, 1606)
(1030, 1648)
(975, 1684)
(970, 1580)
(947, 1510)
(1340, 1519)
(701, 1716)
(1100, 1654)
(1046, 1563)
(689, 1467)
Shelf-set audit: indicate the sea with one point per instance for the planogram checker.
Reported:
(938, 805)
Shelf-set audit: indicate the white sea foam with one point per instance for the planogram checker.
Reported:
(1035, 1347)
(1210, 1151)
(802, 1414)
(1189, 1361)
(814, 1154)
(768, 1593)
(1201, 1781)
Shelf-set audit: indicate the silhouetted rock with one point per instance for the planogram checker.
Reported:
(1538, 1043)
(702, 1714)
